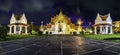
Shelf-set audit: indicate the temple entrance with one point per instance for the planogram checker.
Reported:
(98, 30)
(12, 31)
(108, 29)
(17, 29)
(23, 30)
(60, 28)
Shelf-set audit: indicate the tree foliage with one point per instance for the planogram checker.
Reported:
(3, 33)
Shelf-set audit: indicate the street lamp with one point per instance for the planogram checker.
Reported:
(32, 25)
(89, 24)
(41, 27)
(41, 22)
(79, 22)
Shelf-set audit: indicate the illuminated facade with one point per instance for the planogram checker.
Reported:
(116, 26)
(61, 24)
(18, 24)
(103, 24)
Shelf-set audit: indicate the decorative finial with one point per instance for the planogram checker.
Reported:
(60, 10)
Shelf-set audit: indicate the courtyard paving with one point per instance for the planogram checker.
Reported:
(59, 45)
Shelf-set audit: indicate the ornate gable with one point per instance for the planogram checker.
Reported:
(60, 18)
(18, 17)
(104, 17)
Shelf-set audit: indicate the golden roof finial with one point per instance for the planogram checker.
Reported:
(60, 12)
(60, 9)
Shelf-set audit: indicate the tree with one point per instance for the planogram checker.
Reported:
(3, 33)
(74, 33)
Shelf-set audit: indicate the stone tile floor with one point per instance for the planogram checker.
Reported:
(59, 45)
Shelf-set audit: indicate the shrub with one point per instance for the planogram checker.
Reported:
(82, 33)
(74, 33)
(40, 33)
(34, 32)
(3, 33)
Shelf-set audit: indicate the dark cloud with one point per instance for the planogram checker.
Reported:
(5, 5)
(38, 10)
(37, 5)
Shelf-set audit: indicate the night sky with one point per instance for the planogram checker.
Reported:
(42, 10)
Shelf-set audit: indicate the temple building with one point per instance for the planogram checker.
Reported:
(103, 24)
(18, 24)
(116, 26)
(61, 24)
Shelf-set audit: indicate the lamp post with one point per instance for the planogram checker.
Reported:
(41, 27)
(31, 28)
(89, 25)
(41, 22)
(31, 25)
(79, 22)
(90, 28)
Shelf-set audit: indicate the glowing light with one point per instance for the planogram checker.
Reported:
(79, 22)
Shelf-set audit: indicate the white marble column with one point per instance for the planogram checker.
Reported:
(10, 31)
(26, 30)
(106, 30)
(20, 29)
(111, 30)
(101, 32)
(95, 28)
(14, 29)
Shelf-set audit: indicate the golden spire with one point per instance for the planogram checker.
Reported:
(60, 12)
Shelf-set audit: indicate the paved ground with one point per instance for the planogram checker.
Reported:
(60, 45)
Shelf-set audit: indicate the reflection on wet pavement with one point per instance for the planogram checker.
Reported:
(59, 45)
